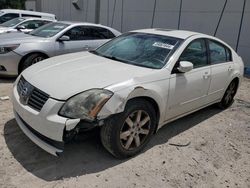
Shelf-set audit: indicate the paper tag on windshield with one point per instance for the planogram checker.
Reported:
(163, 45)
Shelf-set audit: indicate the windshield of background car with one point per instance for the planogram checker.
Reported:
(49, 30)
(12, 22)
(141, 49)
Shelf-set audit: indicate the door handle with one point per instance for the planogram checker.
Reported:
(206, 75)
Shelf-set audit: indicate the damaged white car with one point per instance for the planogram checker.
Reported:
(130, 87)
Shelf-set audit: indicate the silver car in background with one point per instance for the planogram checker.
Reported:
(19, 51)
(25, 25)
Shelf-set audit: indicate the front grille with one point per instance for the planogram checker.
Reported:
(35, 97)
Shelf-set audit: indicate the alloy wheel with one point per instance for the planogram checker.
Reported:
(135, 130)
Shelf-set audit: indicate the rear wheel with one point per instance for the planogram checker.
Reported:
(228, 97)
(31, 59)
(126, 134)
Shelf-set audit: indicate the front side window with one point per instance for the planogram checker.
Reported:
(12, 22)
(140, 49)
(218, 53)
(7, 17)
(196, 53)
(49, 30)
(76, 33)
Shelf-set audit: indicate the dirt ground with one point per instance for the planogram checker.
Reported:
(217, 153)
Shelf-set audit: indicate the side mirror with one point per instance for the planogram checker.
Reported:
(185, 66)
(64, 38)
(20, 27)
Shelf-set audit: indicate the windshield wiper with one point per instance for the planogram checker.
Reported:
(107, 56)
(94, 52)
(116, 59)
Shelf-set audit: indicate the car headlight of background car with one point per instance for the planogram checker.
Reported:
(8, 48)
(85, 105)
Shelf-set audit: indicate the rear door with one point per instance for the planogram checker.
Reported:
(188, 91)
(221, 69)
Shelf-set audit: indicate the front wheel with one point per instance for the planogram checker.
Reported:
(32, 59)
(229, 94)
(126, 134)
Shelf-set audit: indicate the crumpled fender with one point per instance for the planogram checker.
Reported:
(118, 101)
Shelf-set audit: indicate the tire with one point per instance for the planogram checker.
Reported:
(228, 97)
(30, 60)
(123, 136)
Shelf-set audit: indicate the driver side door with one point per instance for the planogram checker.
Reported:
(76, 41)
(188, 91)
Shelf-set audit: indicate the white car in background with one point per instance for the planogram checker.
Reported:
(130, 87)
(24, 24)
(9, 14)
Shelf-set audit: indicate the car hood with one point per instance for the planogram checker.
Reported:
(64, 76)
(18, 37)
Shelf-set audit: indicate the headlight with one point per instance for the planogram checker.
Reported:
(86, 105)
(8, 48)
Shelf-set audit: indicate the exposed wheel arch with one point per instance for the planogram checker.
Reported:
(26, 56)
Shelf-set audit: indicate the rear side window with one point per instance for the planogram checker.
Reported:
(101, 33)
(229, 54)
(7, 17)
(218, 52)
(30, 15)
(196, 53)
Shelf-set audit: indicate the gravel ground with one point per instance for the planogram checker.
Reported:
(216, 153)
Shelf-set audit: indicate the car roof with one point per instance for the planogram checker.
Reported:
(26, 11)
(34, 18)
(80, 23)
(182, 34)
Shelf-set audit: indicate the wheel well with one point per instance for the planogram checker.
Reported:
(25, 57)
(236, 80)
(155, 106)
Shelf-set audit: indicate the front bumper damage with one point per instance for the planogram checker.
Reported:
(45, 128)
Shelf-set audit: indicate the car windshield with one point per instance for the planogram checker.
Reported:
(12, 22)
(141, 49)
(49, 30)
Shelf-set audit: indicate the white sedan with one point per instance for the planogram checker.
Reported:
(129, 87)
